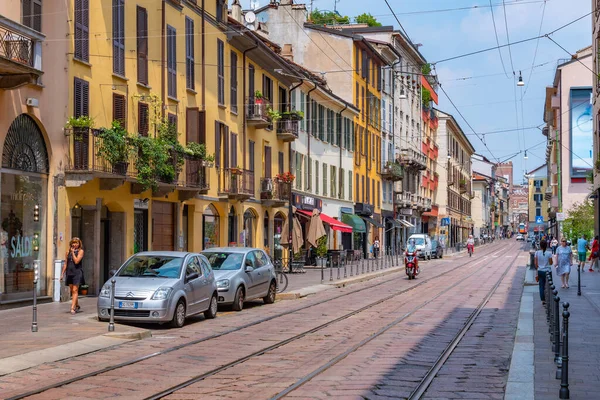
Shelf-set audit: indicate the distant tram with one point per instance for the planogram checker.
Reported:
(522, 228)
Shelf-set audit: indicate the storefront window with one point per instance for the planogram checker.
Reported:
(22, 237)
(277, 228)
(266, 232)
(210, 228)
(249, 228)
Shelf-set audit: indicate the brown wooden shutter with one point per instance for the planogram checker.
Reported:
(142, 45)
(32, 14)
(281, 162)
(172, 119)
(234, 148)
(251, 147)
(120, 109)
(81, 98)
(268, 161)
(202, 127)
(191, 125)
(143, 119)
(217, 144)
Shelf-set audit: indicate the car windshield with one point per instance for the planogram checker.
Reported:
(419, 241)
(223, 261)
(152, 266)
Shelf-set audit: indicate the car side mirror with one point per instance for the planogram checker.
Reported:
(112, 272)
(248, 268)
(191, 277)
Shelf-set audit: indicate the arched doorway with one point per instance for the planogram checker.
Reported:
(277, 230)
(266, 232)
(210, 228)
(249, 227)
(232, 227)
(23, 205)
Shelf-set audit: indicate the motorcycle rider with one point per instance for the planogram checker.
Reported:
(412, 249)
(471, 244)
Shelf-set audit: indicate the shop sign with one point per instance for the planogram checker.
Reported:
(560, 216)
(141, 204)
(406, 211)
(21, 246)
(309, 201)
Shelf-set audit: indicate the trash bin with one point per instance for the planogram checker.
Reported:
(457, 247)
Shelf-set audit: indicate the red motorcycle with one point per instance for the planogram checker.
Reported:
(470, 249)
(411, 263)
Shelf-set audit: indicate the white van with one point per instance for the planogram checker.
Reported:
(423, 244)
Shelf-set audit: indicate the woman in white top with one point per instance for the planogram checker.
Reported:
(543, 263)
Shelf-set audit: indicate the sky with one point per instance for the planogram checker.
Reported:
(488, 98)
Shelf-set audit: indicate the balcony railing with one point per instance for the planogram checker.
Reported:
(257, 114)
(403, 199)
(392, 171)
(287, 128)
(427, 204)
(413, 159)
(20, 54)
(196, 175)
(237, 184)
(274, 193)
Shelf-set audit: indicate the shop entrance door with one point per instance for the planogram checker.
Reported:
(163, 226)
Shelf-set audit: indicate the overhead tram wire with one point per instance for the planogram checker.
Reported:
(569, 53)
(537, 45)
(497, 40)
(508, 37)
(513, 43)
(398, 20)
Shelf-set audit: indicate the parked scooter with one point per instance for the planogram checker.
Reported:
(411, 260)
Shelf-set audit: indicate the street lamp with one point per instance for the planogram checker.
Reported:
(520, 83)
(36, 274)
(525, 156)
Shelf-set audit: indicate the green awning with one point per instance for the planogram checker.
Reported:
(357, 224)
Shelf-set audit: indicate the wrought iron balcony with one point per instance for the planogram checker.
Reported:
(427, 204)
(274, 193)
(287, 127)
(403, 199)
(413, 159)
(392, 171)
(462, 187)
(257, 114)
(20, 54)
(236, 184)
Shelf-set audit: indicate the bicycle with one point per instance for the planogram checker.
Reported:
(282, 279)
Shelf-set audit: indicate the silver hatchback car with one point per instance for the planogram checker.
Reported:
(159, 287)
(242, 274)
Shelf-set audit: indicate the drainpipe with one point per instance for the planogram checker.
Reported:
(309, 119)
(340, 133)
(203, 28)
(244, 103)
(291, 197)
(163, 49)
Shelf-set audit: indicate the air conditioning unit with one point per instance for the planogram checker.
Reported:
(32, 102)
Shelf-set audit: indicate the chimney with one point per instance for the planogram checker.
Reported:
(287, 52)
(236, 11)
(284, 2)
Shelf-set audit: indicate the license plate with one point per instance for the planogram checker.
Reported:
(128, 304)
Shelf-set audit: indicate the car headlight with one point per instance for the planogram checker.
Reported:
(105, 292)
(223, 284)
(162, 293)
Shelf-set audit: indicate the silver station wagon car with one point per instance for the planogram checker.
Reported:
(159, 287)
(242, 274)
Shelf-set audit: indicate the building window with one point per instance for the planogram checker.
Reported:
(233, 82)
(298, 171)
(172, 61)
(143, 119)
(303, 109)
(142, 45)
(349, 185)
(220, 72)
(268, 88)
(81, 97)
(379, 193)
(309, 182)
(342, 188)
(324, 179)
(321, 122)
(32, 13)
(538, 212)
(281, 162)
(221, 11)
(316, 177)
(120, 109)
(82, 30)
(190, 75)
(118, 20)
(172, 120)
(234, 151)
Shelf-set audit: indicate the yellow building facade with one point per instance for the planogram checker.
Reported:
(153, 63)
(367, 155)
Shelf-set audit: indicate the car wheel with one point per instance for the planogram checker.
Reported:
(212, 309)
(270, 297)
(238, 302)
(179, 315)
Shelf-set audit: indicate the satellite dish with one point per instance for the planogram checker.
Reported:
(250, 27)
(250, 17)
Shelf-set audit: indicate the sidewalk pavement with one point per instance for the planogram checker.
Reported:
(533, 359)
(62, 335)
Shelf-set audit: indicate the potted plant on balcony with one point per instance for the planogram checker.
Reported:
(115, 147)
(79, 128)
(273, 115)
(294, 115)
(321, 251)
(258, 97)
(197, 151)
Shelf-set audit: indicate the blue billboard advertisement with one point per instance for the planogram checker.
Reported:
(582, 127)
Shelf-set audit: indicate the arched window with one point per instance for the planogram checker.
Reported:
(210, 228)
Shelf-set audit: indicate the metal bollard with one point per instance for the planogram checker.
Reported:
(362, 264)
(551, 312)
(553, 337)
(579, 280)
(564, 384)
(556, 348)
(344, 264)
(337, 266)
(322, 272)
(330, 268)
(111, 323)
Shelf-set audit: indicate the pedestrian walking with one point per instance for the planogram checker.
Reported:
(594, 255)
(564, 257)
(376, 246)
(74, 271)
(543, 262)
(554, 245)
(582, 248)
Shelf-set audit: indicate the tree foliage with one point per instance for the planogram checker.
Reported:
(367, 18)
(426, 96)
(328, 18)
(580, 221)
(426, 69)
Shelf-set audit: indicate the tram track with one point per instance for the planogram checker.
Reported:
(248, 325)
